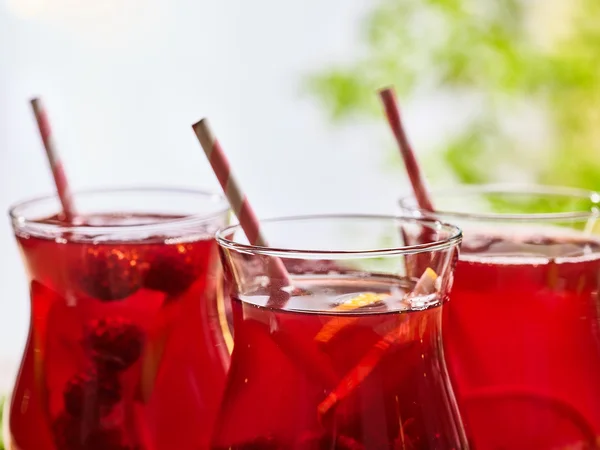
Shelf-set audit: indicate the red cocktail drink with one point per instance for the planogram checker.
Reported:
(522, 329)
(126, 348)
(354, 359)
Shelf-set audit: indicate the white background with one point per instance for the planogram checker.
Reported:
(124, 79)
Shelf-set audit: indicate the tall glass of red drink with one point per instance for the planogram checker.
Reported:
(353, 359)
(522, 328)
(127, 347)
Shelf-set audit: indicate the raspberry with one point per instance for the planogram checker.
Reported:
(73, 434)
(110, 273)
(106, 439)
(88, 394)
(115, 342)
(67, 433)
(174, 268)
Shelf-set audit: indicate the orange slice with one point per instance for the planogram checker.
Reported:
(426, 284)
(530, 419)
(335, 325)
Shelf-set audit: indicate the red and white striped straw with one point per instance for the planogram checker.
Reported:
(60, 180)
(392, 112)
(237, 199)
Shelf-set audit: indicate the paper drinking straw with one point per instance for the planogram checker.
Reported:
(417, 181)
(58, 173)
(239, 202)
(392, 112)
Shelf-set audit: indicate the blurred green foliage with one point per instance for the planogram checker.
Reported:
(514, 56)
(2, 399)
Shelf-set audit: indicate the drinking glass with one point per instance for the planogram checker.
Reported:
(127, 346)
(522, 329)
(347, 352)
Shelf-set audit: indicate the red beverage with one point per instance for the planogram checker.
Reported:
(522, 326)
(354, 359)
(522, 340)
(126, 348)
(291, 369)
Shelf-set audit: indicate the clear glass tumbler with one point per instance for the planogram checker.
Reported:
(348, 354)
(522, 327)
(127, 347)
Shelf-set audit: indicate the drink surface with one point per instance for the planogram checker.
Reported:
(522, 342)
(350, 363)
(125, 349)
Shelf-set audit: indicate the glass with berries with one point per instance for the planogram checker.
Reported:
(129, 342)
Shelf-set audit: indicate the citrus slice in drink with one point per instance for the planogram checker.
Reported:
(403, 330)
(335, 325)
(523, 419)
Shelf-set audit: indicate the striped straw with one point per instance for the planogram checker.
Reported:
(60, 180)
(239, 202)
(392, 112)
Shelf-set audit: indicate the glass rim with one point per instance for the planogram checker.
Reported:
(43, 225)
(408, 202)
(453, 240)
